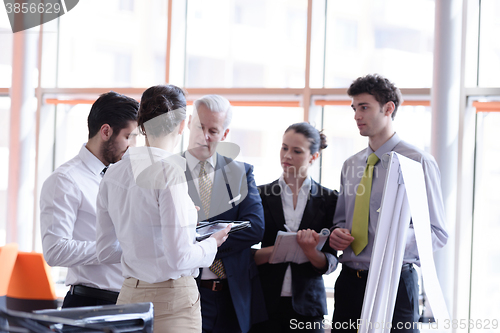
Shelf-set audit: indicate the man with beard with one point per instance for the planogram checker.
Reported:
(68, 204)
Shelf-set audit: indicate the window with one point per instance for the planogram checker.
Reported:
(127, 5)
(486, 218)
(258, 131)
(6, 54)
(97, 49)
(71, 131)
(489, 47)
(346, 33)
(393, 38)
(223, 35)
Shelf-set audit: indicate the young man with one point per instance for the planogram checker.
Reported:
(231, 297)
(68, 204)
(375, 101)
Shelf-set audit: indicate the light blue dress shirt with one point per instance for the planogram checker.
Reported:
(352, 171)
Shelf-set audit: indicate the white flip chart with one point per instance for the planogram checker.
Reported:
(404, 197)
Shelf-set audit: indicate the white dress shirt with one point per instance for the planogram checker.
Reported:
(194, 167)
(146, 219)
(293, 217)
(67, 223)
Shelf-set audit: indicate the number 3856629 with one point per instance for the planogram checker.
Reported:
(26, 7)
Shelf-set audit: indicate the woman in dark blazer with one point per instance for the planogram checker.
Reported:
(295, 293)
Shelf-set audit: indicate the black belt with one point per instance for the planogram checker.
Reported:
(363, 273)
(214, 285)
(105, 295)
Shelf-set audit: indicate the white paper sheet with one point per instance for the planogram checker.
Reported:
(417, 196)
(286, 248)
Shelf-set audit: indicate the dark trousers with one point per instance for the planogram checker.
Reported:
(349, 293)
(285, 319)
(73, 301)
(217, 312)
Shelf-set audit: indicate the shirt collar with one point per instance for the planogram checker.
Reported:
(388, 146)
(90, 160)
(144, 157)
(306, 185)
(156, 153)
(192, 162)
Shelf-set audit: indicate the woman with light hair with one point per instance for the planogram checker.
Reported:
(146, 219)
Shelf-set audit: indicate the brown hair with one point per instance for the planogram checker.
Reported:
(158, 101)
(317, 138)
(381, 88)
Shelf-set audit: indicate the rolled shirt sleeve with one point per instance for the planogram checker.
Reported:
(60, 201)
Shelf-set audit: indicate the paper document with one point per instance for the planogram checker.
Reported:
(286, 248)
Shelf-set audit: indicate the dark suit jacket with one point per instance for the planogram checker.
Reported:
(242, 204)
(308, 289)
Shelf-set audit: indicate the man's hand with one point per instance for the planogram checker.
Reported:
(340, 239)
(221, 236)
(308, 240)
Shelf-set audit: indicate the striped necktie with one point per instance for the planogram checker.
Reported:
(205, 185)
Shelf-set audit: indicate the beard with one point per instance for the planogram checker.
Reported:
(109, 151)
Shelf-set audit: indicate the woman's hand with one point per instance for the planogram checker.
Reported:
(308, 241)
(197, 209)
(221, 235)
(262, 255)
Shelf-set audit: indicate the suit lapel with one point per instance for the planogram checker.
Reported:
(276, 206)
(312, 207)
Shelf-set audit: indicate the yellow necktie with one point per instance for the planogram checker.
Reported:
(205, 185)
(362, 207)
